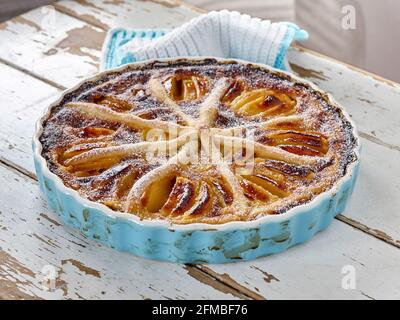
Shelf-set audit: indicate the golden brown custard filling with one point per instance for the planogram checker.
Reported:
(200, 141)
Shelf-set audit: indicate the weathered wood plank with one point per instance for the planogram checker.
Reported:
(62, 49)
(51, 45)
(375, 202)
(129, 14)
(372, 103)
(33, 244)
(314, 270)
(23, 99)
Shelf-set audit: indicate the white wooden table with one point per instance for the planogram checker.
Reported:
(44, 51)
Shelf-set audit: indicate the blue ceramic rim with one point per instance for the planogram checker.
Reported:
(318, 202)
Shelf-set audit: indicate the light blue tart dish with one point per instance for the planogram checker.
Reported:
(196, 242)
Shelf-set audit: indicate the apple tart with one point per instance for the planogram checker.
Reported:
(198, 141)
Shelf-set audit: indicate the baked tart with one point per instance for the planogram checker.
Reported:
(198, 141)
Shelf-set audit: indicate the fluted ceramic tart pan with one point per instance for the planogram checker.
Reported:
(196, 160)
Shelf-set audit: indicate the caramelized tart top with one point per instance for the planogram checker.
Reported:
(198, 141)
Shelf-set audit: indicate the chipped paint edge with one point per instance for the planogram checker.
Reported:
(350, 67)
(198, 242)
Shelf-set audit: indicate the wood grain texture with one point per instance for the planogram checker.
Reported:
(129, 14)
(39, 60)
(371, 102)
(62, 49)
(23, 98)
(314, 270)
